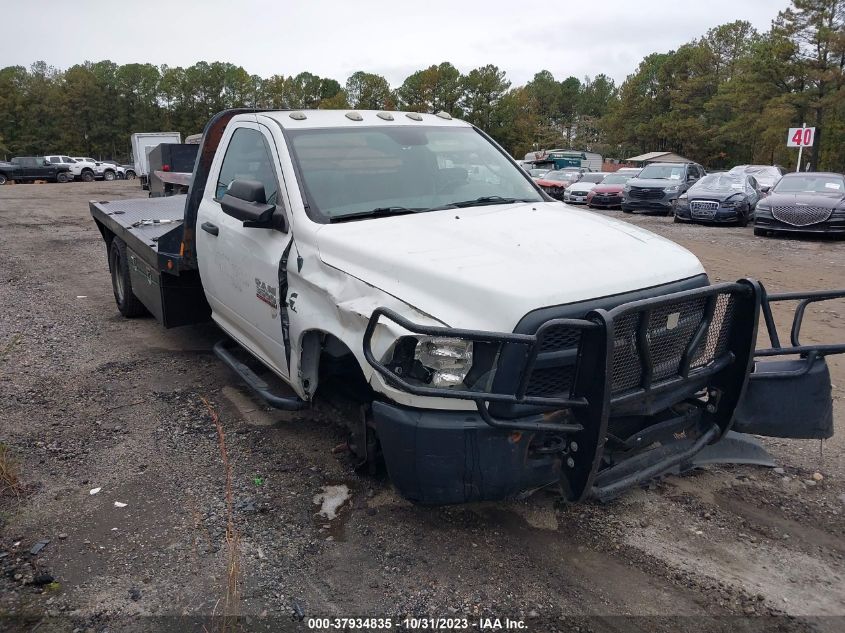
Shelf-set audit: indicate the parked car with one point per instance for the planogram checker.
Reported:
(536, 172)
(628, 170)
(809, 202)
(80, 169)
(723, 197)
(131, 172)
(766, 175)
(577, 192)
(555, 182)
(658, 186)
(32, 168)
(120, 169)
(608, 193)
(103, 171)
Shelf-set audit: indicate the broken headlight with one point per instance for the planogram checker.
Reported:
(442, 362)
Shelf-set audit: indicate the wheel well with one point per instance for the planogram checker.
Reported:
(330, 363)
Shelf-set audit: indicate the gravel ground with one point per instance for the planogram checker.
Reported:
(89, 400)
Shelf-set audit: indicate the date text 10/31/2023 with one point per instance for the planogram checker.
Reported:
(416, 624)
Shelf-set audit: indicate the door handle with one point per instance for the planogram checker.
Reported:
(208, 227)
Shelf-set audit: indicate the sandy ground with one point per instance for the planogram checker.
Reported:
(90, 400)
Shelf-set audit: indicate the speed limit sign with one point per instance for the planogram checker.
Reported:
(801, 137)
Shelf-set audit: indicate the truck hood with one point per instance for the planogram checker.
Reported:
(486, 267)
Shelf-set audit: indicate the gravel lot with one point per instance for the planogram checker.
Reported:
(90, 400)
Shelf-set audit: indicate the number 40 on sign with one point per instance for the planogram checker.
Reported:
(801, 137)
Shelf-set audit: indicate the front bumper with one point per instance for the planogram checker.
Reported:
(575, 197)
(718, 216)
(605, 200)
(665, 202)
(835, 225)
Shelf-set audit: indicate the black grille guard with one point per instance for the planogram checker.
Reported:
(713, 382)
(592, 395)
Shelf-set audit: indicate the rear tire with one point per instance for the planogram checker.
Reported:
(128, 304)
(130, 175)
(108, 175)
(87, 176)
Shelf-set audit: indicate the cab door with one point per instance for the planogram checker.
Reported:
(240, 265)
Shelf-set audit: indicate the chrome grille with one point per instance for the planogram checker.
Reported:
(800, 215)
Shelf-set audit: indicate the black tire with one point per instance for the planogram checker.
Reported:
(128, 304)
(675, 219)
(108, 175)
(624, 210)
(759, 231)
(87, 175)
(130, 175)
(61, 177)
(3, 179)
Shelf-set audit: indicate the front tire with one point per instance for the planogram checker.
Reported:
(130, 175)
(759, 231)
(109, 175)
(3, 179)
(61, 177)
(128, 304)
(87, 176)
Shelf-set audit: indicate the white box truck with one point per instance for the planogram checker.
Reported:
(142, 145)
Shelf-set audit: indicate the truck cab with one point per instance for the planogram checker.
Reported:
(493, 340)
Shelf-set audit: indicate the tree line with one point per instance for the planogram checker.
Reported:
(725, 98)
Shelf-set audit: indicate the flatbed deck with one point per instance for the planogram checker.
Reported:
(143, 223)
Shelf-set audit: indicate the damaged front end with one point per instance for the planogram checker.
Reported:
(598, 403)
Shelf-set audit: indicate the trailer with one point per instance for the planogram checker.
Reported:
(142, 144)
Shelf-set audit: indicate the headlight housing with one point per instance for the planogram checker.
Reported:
(443, 362)
(672, 188)
(626, 188)
(683, 200)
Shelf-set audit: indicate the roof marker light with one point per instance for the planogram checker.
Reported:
(386, 116)
(354, 116)
(444, 115)
(414, 116)
(297, 116)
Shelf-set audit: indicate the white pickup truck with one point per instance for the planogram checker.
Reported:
(493, 339)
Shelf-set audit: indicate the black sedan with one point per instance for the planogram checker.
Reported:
(809, 202)
(719, 198)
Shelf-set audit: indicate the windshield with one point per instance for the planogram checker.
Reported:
(560, 175)
(596, 178)
(350, 172)
(671, 172)
(720, 182)
(537, 173)
(766, 175)
(817, 183)
(616, 179)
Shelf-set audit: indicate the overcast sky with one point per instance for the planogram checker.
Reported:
(334, 38)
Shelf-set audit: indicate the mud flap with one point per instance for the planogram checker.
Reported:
(789, 399)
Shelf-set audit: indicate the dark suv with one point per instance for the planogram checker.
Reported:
(658, 185)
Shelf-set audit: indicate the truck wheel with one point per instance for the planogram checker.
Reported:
(87, 176)
(130, 175)
(759, 231)
(127, 302)
(109, 175)
(3, 179)
(61, 177)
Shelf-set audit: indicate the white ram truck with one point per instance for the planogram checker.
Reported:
(493, 340)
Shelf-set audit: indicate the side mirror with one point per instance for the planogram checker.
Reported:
(765, 189)
(245, 201)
